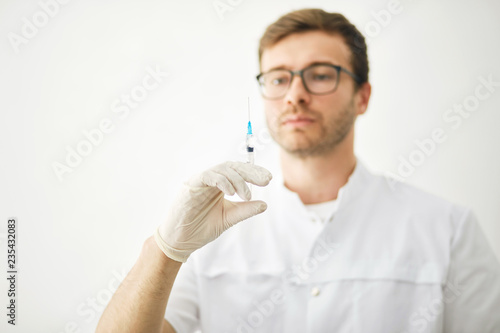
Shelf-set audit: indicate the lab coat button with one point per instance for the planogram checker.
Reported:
(315, 291)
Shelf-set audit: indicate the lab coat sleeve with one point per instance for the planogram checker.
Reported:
(472, 291)
(182, 308)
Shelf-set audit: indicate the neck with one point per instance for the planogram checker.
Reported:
(318, 179)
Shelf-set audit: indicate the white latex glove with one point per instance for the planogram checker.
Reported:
(200, 212)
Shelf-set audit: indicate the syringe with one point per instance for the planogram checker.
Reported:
(250, 144)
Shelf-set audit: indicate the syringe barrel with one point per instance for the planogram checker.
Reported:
(250, 148)
(250, 157)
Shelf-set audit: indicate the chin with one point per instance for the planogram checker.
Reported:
(299, 140)
(298, 148)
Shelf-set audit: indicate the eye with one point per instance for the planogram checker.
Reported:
(279, 81)
(322, 77)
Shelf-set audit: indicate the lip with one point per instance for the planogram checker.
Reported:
(298, 121)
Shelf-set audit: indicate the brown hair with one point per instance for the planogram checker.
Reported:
(317, 19)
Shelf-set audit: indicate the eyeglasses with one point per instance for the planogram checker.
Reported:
(318, 79)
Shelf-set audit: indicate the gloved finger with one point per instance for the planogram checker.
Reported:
(236, 180)
(213, 179)
(238, 211)
(251, 173)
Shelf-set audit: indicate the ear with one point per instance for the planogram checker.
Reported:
(363, 97)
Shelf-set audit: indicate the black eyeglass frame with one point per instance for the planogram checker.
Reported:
(301, 74)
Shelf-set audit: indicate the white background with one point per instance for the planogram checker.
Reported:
(78, 236)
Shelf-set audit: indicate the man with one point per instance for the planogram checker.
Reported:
(338, 250)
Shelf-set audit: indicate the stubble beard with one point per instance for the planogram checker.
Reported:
(330, 135)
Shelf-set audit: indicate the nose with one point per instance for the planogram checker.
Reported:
(297, 93)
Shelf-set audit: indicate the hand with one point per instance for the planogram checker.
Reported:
(200, 212)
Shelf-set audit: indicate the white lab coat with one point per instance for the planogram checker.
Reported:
(392, 259)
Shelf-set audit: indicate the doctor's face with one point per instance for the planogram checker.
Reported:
(302, 123)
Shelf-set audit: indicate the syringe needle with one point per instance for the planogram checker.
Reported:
(248, 107)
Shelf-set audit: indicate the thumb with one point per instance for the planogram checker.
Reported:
(239, 211)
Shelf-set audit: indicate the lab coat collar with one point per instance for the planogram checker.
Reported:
(352, 189)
